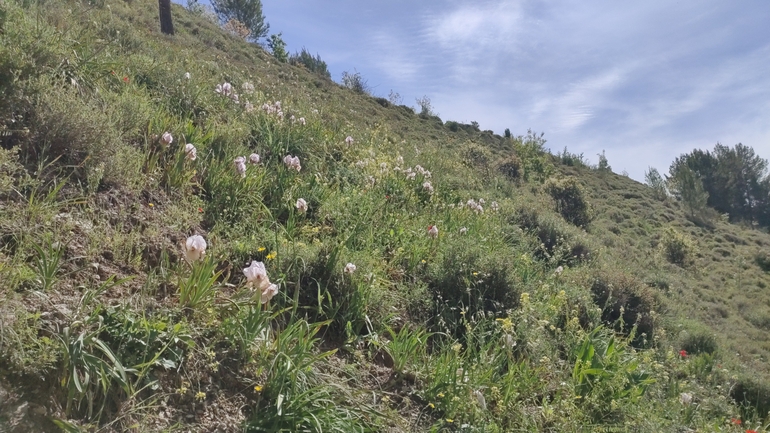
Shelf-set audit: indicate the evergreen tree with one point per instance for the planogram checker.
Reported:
(248, 12)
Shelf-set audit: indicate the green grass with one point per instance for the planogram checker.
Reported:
(563, 307)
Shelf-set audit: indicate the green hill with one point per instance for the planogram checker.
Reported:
(418, 275)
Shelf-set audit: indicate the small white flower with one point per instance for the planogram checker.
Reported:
(240, 165)
(190, 151)
(301, 205)
(248, 107)
(227, 89)
(482, 201)
(400, 160)
(433, 231)
(248, 87)
(292, 118)
(302, 121)
(268, 293)
(426, 174)
(254, 158)
(361, 164)
(186, 75)
(410, 175)
(480, 399)
(256, 276)
(349, 140)
(685, 398)
(194, 248)
(558, 270)
(495, 207)
(463, 230)
(350, 268)
(292, 162)
(427, 187)
(277, 105)
(166, 138)
(383, 167)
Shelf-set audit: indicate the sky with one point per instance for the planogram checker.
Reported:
(642, 81)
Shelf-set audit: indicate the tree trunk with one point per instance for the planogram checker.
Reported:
(166, 26)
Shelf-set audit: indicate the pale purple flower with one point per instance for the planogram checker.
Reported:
(383, 167)
(256, 276)
(248, 107)
(292, 118)
(254, 158)
(190, 151)
(349, 140)
(426, 174)
(248, 87)
(433, 231)
(240, 165)
(482, 201)
(301, 205)
(427, 187)
(410, 175)
(418, 168)
(495, 207)
(166, 138)
(400, 160)
(194, 248)
(302, 121)
(685, 398)
(292, 162)
(277, 104)
(558, 270)
(268, 293)
(350, 268)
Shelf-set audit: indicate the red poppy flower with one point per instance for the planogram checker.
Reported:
(751, 431)
(200, 210)
(683, 353)
(735, 421)
(125, 79)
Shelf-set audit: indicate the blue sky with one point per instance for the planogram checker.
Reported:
(644, 81)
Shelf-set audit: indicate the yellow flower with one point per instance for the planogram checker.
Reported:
(200, 395)
(258, 388)
(450, 420)
(272, 255)
(506, 324)
(151, 205)
(431, 405)
(475, 273)
(260, 249)
(440, 395)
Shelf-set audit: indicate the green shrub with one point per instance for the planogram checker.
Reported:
(511, 168)
(762, 259)
(557, 243)
(311, 63)
(677, 247)
(571, 201)
(625, 302)
(699, 341)
(752, 396)
(475, 155)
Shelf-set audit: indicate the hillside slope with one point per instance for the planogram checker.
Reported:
(369, 270)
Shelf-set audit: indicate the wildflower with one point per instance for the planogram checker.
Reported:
(685, 398)
(248, 87)
(524, 298)
(268, 293)
(509, 341)
(301, 205)
(277, 105)
(410, 175)
(257, 388)
(400, 160)
(349, 140)
(150, 205)
(240, 165)
(361, 164)
(254, 158)
(248, 107)
(427, 187)
(186, 75)
(302, 121)
(735, 421)
(494, 206)
(256, 276)
(480, 399)
(433, 231)
(426, 174)
(166, 138)
(200, 210)
(450, 420)
(190, 151)
(559, 270)
(125, 79)
(456, 348)
(194, 248)
(463, 230)
(292, 162)
(683, 353)
(225, 89)
(440, 395)
(292, 118)
(431, 405)
(272, 255)
(350, 268)
(482, 201)
(751, 431)
(418, 168)
(200, 396)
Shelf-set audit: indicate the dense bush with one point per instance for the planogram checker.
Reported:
(558, 244)
(677, 247)
(571, 200)
(511, 168)
(626, 302)
(310, 62)
(699, 341)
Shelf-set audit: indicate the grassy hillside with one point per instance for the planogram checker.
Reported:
(426, 276)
